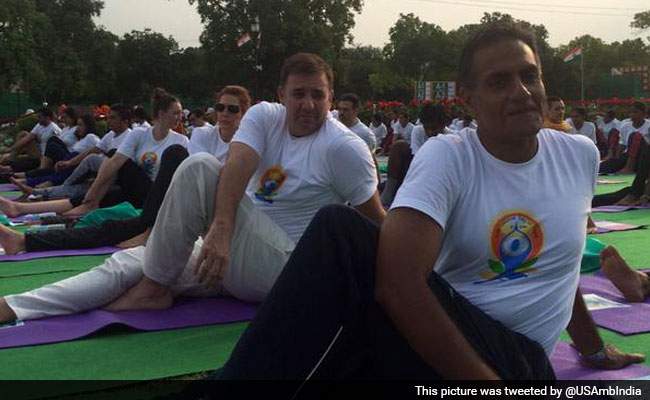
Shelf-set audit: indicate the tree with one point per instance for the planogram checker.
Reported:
(287, 27)
(144, 61)
(356, 66)
(641, 20)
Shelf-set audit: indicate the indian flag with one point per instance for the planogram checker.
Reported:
(575, 52)
(243, 40)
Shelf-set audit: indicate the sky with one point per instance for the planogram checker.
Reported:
(564, 19)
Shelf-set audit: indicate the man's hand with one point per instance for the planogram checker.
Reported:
(91, 196)
(611, 358)
(214, 258)
(61, 165)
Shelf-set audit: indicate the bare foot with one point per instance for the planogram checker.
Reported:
(145, 295)
(81, 210)
(6, 313)
(10, 208)
(5, 169)
(136, 241)
(22, 186)
(634, 285)
(13, 242)
(625, 171)
(628, 200)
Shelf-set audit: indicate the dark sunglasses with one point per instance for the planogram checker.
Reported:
(220, 107)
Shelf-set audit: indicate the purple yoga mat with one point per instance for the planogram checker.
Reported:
(186, 312)
(60, 253)
(618, 209)
(567, 367)
(626, 321)
(8, 187)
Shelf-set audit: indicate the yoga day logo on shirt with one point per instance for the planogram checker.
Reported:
(148, 161)
(270, 184)
(516, 239)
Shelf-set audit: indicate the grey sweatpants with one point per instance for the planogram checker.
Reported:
(72, 187)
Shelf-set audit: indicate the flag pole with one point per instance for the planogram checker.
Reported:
(582, 76)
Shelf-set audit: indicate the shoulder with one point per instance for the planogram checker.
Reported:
(575, 145)
(338, 136)
(265, 109)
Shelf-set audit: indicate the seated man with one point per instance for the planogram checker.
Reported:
(610, 128)
(555, 115)
(300, 159)
(581, 126)
(348, 113)
(434, 120)
(379, 130)
(474, 272)
(28, 142)
(197, 122)
(635, 136)
(403, 128)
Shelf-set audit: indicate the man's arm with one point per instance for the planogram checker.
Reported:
(21, 143)
(214, 257)
(73, 162)
(584, 334)
(107, 171)
(373, 209)
(409, 245)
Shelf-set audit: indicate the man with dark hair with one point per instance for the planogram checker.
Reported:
(581, 126)
(27, 142)
(379, 129)
(403, 128)
(609, 128)
(140, 118)
(294, 157)
(197, 121)
(634, 139)
(348, 113)
(474, 272)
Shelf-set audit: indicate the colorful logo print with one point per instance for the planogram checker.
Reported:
(270, 184)
(516, 239)
(148, 161)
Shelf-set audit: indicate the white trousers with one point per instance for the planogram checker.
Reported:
(259, 251)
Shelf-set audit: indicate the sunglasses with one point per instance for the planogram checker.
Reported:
(220, 107)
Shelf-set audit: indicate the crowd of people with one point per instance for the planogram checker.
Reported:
(462, 263)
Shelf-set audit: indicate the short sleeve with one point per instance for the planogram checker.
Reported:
(256, 125)
(353, 170)
(433, 183)
(129, 145)
(36, 131)
(105, 142)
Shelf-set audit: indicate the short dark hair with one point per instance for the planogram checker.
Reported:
(306, 64)
(45, 112)
(639, 105)
(403, 113)
(352, 98)
(611, 114)
(72, 113)
(434, 114)
(198, 113)
(140, 112)
(580, 110)
(486, 36)
(123, 111)
(378, 117)
(552, 99)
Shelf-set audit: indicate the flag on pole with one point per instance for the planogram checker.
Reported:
(243, 40)
(575, 52)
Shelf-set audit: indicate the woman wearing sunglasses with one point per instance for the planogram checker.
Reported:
(232, 103)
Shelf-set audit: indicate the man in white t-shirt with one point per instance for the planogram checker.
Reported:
(285, 162)
(610, 127)
(379, 129)
(486, 212)
(403, 128)
(140, 118)
(348, 113)
(581, 126)
(634, 139)
(40, 134)
(197, 121)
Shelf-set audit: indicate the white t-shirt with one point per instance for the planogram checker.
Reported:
(110, 142)
(299, 175)
(513, 233)
(87, 142)
(418, 137)
(628, 128)
(44, 133)
(404, 131)
(608, 127)
(380, 131)
(69, 136)
(141, 147)
(145, 124)
(361, 130)
(588, 130)
(208, 141)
